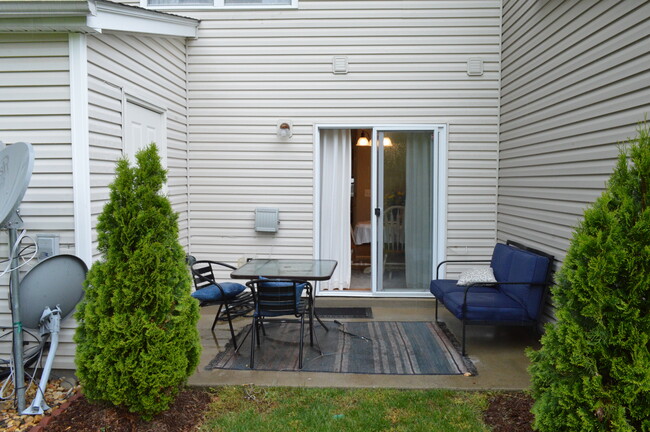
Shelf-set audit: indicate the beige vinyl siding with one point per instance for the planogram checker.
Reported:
(153, 70)
(576, 81)
(407, 61)
(35, 108)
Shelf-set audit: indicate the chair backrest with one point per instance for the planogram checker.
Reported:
(394, 228)
(516, 263)
(203, 271)
(277, 296)
(202, 274)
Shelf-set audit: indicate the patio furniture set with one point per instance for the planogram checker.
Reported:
(509, 289)
(276, 290)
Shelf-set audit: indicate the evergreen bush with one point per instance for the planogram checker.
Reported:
(137, 339)
(592, 372)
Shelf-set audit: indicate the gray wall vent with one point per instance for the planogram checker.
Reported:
(475, 67)
(267, 219)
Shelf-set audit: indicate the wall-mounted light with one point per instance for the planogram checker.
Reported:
(284, 129)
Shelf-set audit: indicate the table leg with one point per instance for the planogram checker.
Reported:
(321, 322)
(313, 305)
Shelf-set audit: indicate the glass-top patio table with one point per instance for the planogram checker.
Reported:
(293, 269)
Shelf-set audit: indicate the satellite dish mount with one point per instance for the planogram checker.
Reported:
(16, 164)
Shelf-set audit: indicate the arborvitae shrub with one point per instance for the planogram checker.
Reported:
(137, 339)
(592, 372)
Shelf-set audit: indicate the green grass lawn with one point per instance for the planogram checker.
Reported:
(275, 409)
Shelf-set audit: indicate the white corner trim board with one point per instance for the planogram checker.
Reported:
(79, 130)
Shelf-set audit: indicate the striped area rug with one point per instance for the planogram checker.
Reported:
(377, 347)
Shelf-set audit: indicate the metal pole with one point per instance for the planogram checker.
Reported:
(19, 372)
(50, 324)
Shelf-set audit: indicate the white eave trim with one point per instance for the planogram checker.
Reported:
(117, 17)
(92, 16)
(31, 9)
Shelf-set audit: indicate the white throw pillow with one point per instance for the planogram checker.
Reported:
(481, 274)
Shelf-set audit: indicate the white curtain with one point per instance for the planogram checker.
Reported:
(418, 217)
(336, 173)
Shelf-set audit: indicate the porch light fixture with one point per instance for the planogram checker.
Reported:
(284, 129)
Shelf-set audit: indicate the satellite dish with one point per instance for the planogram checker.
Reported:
(55, 281)
(16, 164)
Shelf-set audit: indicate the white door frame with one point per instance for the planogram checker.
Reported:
(440, 197)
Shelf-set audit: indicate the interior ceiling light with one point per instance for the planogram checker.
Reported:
(363, 140)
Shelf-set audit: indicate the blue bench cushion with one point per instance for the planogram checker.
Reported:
(501, 260)
(212, 293)
(441, 287)
(486, 306)
(522, 266)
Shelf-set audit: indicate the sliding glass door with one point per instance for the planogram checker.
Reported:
(381, 208)
(405, 211)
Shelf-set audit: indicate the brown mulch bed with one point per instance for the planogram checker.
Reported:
(185, 415)
(509, 412)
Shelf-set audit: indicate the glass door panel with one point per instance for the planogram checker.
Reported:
(404, 221)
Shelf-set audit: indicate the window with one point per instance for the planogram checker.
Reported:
(181, 2)
(225, 3)
(256, 2)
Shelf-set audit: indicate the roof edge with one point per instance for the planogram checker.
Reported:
(92, 16)
(31, 8)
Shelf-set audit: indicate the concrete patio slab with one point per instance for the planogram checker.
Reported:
(497, 352)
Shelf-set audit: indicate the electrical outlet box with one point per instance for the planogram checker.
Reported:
(48, 245)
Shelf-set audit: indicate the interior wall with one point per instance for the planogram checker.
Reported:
(361, 171)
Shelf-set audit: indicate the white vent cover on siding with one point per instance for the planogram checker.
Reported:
(340, 65)
(475, 67)
(267, 219)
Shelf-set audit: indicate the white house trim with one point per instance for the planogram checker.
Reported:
(92, 16)
(79, 130)
(116, 17)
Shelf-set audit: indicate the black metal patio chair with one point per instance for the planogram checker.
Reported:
(231, 297)
(276, 298)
